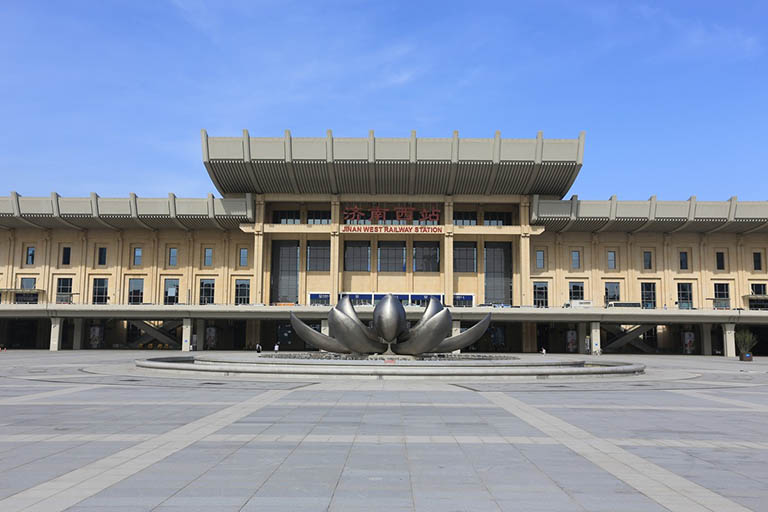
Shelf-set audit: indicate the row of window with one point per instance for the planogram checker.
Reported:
(137, 256)
(648, 264)
(391, 256)
(460, 218)
(722, 298)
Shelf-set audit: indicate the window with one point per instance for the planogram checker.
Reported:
(101, 256)
(683, 260)
(242, 291)
(391, 256)
(612, 292)
(497, 219)
(319, 255)
(135, 291)
(357, 256)
(720, 260)
(30, 255)
(464, 257)
(684, 295)
(648, 295)
(465, 218)
(100, 289)
(612, 260)
(207, 288)
(390, 217)
(243, 257)
(286, 217)
(722, 296)
(173, 256)
(647, 260)
(540, 262)
(463, 301)
(319, 217)
(208, 257)
(757, 261)
(64, 290)
(319, 299)
(761, 302)
(540, 294)
(27, 283)
(171, 292)
(137, 256)
(575, 290)
(66, 255)
(575, 260)
(426, 256)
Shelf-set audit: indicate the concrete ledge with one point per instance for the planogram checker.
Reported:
(379, 369)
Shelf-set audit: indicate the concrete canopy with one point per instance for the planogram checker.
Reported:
(415, 165)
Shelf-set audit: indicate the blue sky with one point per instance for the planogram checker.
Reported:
(110, 96)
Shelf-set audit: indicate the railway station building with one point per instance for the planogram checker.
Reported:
(482, 223)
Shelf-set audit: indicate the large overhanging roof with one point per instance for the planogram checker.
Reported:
(690, 216)
(409, 165)
(131, 212)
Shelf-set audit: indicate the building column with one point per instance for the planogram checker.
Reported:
(186, 335)
(525, 270)
(706, 339)
(594, 338)
(581, 329)
(729, 340)
(448, 252)
(200, 331)
(77, 336)
(57, 325)
(529, 337)
(335, 250)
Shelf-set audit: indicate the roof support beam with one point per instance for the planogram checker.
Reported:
(95, 212)
(574, 212)
(454, 163)
(731, 215)
(172, 211)
(579, 160)
(371, 163)
(212, 213)
(651, 215)
(207, 161)
(496, 159)
(17, 212)
(330, 162)
(57, 212)
(289, 162)
(538, 157)
(412, 163)
(611, 216)
(248, 163)
(691, 215)
(135, 213)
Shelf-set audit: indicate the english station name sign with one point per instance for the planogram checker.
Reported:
(352, 228)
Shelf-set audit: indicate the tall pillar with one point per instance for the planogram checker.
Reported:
(335, 249)
(186, 335)
(729, 340)
(57, 325)
(594, 338)
(200, 331)
(706, 339)
(529, 337)
(525, 270)
(582, 336)
(77, 337)
(448, 252)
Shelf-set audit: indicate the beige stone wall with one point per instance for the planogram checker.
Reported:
(257, 238)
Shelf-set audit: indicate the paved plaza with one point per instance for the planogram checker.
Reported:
(86, 431)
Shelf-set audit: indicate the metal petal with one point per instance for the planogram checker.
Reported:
(316, 339)
(346, 307)
(428, 336)
(389, 318)
(433, 308)
(466, 338)
(350, 334)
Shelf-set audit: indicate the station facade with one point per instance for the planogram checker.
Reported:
(479, 223)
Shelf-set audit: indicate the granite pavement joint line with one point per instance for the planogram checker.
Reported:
(48, 394)
(660, 485)
(71, 488)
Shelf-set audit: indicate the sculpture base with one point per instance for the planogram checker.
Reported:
(391, 357)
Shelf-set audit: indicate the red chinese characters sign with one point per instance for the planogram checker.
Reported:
(400, 214)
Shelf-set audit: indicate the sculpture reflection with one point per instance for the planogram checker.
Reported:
(390, 332)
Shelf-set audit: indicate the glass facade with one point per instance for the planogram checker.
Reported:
(31, 297)
(612, 292)
(286, 217)
(685, 295)
(426, 256)
(135, 291)
(100, 290)
(64, 290)
(465, 218)
(464, 257)
(242, 291)
(171, 292)
(284, 286)
(498, 273)
(318, 216)
(722, 296)
(648, 295)
(541, 294)
(497, 219)
(207, 291)
(357, 256)
(391, 256)
(576, 290)
(318, 255)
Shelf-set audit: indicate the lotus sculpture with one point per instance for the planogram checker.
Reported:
(390, 332)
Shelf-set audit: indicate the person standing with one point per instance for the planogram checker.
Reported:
(277, 347)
